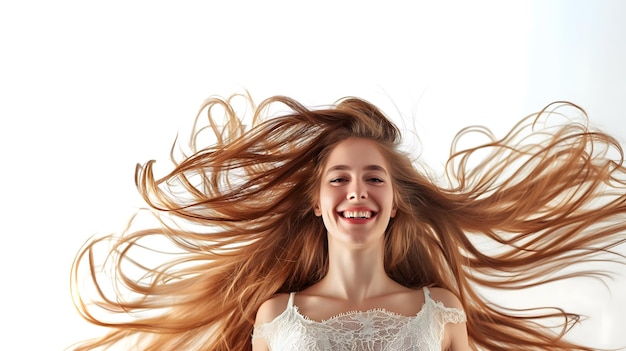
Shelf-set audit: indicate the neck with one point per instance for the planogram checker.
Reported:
(356, 274)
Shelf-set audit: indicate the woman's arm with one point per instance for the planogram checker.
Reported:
(259, 344)
(457, 335)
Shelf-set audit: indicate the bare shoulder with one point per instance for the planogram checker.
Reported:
(446, 297)
(271, 308)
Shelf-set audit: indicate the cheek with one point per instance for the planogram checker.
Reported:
(387, 199)
(326, 203)
(328, 200)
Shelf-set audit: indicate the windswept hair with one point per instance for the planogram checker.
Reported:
(238, 222)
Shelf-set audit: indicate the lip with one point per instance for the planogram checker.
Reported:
(357, 220)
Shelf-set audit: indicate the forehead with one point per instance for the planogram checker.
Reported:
(356, 153)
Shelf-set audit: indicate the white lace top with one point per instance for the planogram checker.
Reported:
(373, 330)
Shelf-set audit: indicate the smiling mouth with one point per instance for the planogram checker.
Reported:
(358, 214)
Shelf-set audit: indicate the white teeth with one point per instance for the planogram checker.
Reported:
(357, 214)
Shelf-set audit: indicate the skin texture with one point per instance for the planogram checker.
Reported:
(356, 179)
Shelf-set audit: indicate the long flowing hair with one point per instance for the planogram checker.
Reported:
(236, 225)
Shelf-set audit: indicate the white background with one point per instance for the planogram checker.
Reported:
(89, 89)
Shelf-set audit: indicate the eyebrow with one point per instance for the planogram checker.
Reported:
(366, 168)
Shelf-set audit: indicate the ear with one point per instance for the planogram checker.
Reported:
(317, 211)
(394, 210)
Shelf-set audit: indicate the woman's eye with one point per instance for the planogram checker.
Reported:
(338, 180)
(376, 180)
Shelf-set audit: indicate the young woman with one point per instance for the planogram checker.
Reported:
(356, 204)
(313, 231)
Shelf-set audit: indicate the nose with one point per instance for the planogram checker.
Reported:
(357, 191)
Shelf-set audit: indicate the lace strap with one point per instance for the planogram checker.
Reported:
(291, 298)
(427, 294)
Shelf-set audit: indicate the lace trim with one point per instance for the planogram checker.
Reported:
(356, 313)
(448, 315)
(451, 314)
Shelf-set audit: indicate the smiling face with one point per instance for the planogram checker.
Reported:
(356, 194)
